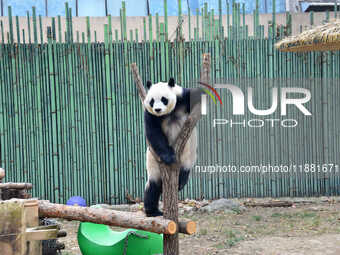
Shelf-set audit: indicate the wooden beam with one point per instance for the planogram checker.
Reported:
(12, 185)
(107, 217)
(110, 217)
(269, 204)
(41, 233)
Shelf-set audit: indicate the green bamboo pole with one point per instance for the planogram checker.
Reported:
(274, 18)
(18, 29)
(244, 14)
(189, 23)
(10, 24)
(2, 32)
(166, 20)
(157, 28)
(144, 26)
(55, 95)
(289, 24)
(136, 35)
(162, 49)
(206, 21)
(179, 22)
(121, 22)
(228, 15)
(59, 30)
(311, 18)
(203, 24)
(335, 9)
(220, 27)
(116, 35)
(212, 25)
(41, 31)
(197, 24)
(151, 56)
(124, 20)
(128, 91)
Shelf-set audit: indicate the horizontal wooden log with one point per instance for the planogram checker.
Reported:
(108, 217)
(41, 233)
(62, 233)
(269, 204)
(14, 193)
(13, 185)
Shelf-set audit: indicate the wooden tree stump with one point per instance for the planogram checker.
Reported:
(14, 190)
(170, 173)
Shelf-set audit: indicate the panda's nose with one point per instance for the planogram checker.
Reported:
(158, 110)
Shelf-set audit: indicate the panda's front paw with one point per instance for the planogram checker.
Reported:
(168, 158)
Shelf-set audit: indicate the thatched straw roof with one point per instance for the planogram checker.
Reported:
(321, 38)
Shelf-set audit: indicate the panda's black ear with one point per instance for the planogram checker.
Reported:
(171, 82)
(148, 84)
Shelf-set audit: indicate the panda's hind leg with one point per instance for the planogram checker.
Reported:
(183, 177)
(152, 193)
(153, 187)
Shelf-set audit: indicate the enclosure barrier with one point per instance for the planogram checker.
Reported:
(71, 121)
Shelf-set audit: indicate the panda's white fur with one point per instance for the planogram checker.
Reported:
(156, 92)
(188, 158)
(171, 118)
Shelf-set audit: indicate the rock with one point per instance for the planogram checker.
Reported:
(187, 209)
(223, 204)
(324, 199)
(204, 202)
(317, 208)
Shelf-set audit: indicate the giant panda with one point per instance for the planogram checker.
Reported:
(167, 106)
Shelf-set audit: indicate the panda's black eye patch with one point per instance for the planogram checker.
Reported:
(164, 100)
(152, 102)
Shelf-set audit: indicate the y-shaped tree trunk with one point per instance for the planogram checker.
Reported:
(170, 173)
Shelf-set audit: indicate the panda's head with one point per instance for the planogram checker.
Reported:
(162, 97)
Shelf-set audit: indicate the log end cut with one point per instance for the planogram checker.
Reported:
(191, 227)
(187, 227)
(172, 227)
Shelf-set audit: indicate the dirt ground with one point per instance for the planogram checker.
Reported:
(302, 229)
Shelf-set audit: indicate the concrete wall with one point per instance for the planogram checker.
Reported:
(97, 23)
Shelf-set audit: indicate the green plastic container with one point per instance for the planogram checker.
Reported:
(98, 239)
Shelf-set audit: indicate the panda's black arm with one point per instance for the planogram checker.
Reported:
(157, 139)
(191, 97)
